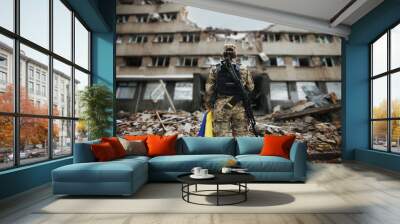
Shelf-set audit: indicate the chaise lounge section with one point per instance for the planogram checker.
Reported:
(125, 176)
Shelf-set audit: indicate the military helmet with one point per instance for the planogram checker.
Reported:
(229, 50)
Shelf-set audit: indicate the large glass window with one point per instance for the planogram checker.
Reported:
(33, 139)
(40, 63)
(6, 142)
(81, 82)
(62, 137)
(46, 80)
(6, 74)
(81, 45)
(385, 97)
(62, 29)
(62, 89)
(7, 14)
(34, 21)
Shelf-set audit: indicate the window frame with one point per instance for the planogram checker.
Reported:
(388, 75)
(16, 114)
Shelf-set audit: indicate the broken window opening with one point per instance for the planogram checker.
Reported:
(164, 38)
(133, 61)
(190, 37)
(297, 38)
(160, 61)
(137, 39)
(302, 62)
(183, 91)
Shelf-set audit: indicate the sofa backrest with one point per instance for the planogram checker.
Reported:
(83, 152)
(249, 145)
(206, 145)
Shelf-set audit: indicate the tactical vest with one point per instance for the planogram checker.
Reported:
(225, 84)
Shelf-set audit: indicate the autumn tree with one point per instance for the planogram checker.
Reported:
(380, 127)
(33, 131)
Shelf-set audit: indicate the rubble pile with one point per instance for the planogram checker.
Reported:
(315, 122)
(320, 133)
(317, 125)
(161, 123)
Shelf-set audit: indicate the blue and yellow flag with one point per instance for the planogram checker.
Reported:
(206, 128)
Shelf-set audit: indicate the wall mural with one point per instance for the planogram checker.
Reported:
(166, 76)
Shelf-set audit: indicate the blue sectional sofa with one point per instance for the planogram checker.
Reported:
(125, 176)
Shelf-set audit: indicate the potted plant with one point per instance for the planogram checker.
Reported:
(96, 104)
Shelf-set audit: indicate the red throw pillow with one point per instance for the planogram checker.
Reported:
(161, 145)
(116, 145)
(103, 152)
(275, 145)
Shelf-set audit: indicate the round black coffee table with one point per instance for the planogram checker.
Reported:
(238, 179)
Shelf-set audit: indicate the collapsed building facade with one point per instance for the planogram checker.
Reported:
(156, 41)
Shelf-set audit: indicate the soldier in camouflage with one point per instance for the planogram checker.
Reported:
(229, 117)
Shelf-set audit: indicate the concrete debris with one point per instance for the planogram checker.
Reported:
(161, 122)
(318, 127)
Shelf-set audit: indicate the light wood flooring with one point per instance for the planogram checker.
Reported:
(377, 188)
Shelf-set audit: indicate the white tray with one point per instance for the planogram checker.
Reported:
(208, 176)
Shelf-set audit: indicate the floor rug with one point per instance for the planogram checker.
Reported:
(167, 198)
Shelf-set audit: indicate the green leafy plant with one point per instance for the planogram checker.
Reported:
(96, 104)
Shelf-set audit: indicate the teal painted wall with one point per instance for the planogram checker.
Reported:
(355, 73)
(103, 65)
(99, 15)
(24, 178)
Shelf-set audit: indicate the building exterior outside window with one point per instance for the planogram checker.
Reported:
(279, 91)
(183, 91)
(187, 62)
(53, 124)
(152, 91)
(302, 87)
(267, 53)
(297, 38)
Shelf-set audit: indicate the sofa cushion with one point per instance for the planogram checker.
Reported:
(159, 145)
(257, 163)
(206, 145)
(112, 171)
(185, 163)
(249, 145)
(134, 147)
(116, 145)
(277, 145)
(103, 152)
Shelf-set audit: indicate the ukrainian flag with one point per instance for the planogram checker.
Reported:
(206, 128)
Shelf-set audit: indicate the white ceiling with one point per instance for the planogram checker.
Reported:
(312, 15)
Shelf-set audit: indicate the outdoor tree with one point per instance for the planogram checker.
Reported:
(33, 131)
(380, 127)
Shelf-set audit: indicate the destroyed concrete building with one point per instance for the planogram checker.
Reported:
(156, 41)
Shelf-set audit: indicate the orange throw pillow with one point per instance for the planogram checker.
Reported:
(275, 145)
(136, 137)
(161, 145)
(103, 152)
(116, 145)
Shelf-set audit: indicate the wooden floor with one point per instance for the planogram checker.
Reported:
(377, 188)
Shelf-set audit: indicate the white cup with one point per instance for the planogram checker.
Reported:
(196, 171)
(203, 172)
(226, 170)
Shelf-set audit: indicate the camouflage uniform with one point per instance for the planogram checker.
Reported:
(227, 122)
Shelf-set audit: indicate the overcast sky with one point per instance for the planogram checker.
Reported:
(205, 18)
